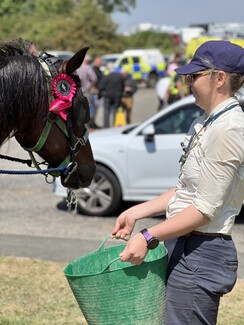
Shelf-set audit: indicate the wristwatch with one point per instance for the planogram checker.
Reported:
(152, 242)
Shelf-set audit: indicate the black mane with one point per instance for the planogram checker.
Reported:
(24, 86)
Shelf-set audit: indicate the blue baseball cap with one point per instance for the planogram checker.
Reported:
(217, 55)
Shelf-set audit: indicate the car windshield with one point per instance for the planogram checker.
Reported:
(178, 121)
(105, 61)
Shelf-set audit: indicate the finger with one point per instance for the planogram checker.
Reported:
(117, 235)
(121, 235)
(124, 235)
(134, 261)
(114, 231)
(116, 228)
(124, 256)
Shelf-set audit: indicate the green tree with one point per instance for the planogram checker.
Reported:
(64, 25)
(8, 7)
(120, 5)
(150, 39)
(71, 24)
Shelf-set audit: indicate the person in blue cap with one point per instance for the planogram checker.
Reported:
(201, 209)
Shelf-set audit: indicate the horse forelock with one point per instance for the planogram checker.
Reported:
(24, 86)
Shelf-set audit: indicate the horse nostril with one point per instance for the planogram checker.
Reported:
(79, 177)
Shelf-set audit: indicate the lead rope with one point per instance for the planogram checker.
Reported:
(22, 161)
(210, 120)
(71, 198)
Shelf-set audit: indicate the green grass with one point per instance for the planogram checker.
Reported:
(34, 292)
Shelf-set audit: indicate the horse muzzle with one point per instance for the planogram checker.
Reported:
(76, 178)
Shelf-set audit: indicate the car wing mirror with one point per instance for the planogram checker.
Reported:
(149, 133)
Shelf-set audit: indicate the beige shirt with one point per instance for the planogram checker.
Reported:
(212, 177)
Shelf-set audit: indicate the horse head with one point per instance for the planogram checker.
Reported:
(46, 110)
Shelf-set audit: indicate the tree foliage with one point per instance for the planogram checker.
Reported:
(8, 7)
(151, 39)
(120, 5)
(60, 24)
(72, 24)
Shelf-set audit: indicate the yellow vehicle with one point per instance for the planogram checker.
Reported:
(196, 42)
(142, 65)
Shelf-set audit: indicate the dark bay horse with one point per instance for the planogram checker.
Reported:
(43, 107)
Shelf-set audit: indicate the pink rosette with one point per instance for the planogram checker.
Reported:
(64, 89)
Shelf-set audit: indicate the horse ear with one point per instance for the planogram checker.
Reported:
(76, 61)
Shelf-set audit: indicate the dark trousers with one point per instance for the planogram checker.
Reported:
(201, 269)
(111, 105)
(173, 98)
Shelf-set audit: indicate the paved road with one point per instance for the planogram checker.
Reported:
(32, 226)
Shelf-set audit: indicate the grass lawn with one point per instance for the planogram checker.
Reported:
(34, 292)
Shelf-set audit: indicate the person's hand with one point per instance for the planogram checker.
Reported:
(124, 225)
(135, 250)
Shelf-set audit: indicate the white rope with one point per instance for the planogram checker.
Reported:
(71, 200)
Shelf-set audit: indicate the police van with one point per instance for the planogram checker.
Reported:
(194, 43)
(146, 65)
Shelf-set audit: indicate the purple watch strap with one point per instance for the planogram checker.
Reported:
(146, 234)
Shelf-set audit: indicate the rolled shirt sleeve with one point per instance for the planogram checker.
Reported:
(221, 166)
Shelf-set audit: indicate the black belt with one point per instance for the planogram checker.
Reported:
(208, 234)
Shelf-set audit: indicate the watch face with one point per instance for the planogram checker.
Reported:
(152, 243)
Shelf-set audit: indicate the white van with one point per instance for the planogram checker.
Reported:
(151, 56)
(142, 65)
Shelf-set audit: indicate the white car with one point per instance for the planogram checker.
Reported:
(107, 59)
(136, 162)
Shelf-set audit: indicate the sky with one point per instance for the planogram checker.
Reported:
(181, 13)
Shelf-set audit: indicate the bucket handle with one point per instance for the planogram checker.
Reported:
(101, 247)
(111, 262)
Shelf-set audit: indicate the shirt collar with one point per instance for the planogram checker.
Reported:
(220, 107)
(223, 105)
(217, 109)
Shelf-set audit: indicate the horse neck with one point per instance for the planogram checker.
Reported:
(29, 133)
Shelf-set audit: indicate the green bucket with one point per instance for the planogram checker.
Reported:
(110, 292)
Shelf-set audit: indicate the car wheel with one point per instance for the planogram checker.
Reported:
(102, 197)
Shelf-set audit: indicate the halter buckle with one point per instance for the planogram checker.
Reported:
(72, 167)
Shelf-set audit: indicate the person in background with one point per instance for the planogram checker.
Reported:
(201, 209)
(95, 99)
(128, 93)
(174, 64)
(161, 89)
(88, 79)
(112, 87)
(177, 87)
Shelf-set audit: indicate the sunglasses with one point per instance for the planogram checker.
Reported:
(193, 76)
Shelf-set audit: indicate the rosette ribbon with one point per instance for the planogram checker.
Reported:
(64, 89)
